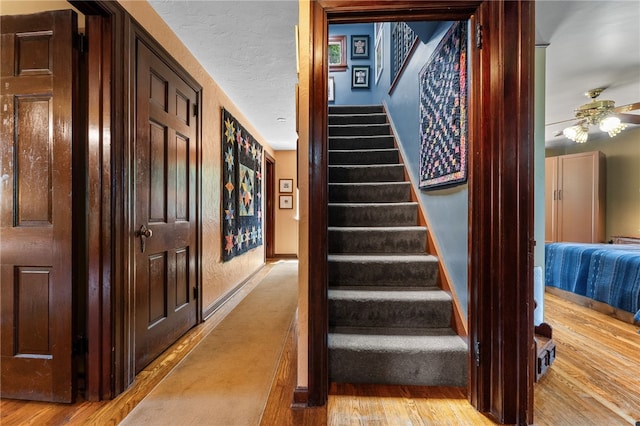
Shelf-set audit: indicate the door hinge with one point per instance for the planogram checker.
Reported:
(195, 110)
(81, 43)
(476, 349)
(478, 36)
(80, 345)
(195, 292)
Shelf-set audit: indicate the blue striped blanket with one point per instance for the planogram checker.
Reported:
(608, 273)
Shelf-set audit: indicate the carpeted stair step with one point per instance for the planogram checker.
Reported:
(359, 129)
(375, 173)
(389, 308)
(373, 214)
(381, 192)
(405, 270)
(356, 109)
(373, 118)
(361, 142)
(435, 358)
(363, 156)
(397, 239)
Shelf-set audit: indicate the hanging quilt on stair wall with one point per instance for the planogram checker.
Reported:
(443, 112)
(241, 189)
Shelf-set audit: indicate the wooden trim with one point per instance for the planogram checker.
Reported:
(285, 256)
(404, 65)
(106, 259)
(500, 203)
(270, 222)
(318, 358)
(213, 308)
(458, 321)
(501, 213)
(590, 303)
(300, 397)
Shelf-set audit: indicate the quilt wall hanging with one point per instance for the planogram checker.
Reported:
(242, 189)
(443, 112)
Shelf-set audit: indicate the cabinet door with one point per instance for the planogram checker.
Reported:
(577, 197)
(550, 199)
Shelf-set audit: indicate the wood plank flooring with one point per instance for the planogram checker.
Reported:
(595, 380)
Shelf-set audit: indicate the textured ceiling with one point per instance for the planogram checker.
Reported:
(591, 44)
(248, 47)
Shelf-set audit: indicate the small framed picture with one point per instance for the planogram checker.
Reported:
(331, 87)
(360, 77)
(360, 47)
(286, 185)
(286, 201)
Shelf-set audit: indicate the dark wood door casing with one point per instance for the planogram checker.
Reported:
(500, 194)
(270, 169)
(38, 98)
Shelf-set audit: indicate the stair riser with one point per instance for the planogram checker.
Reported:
(385, 240)
(366, 174)
(367, 215)
(413, 314)
(417, 274)
(348, 119)
(417, 368)
(354, 142)
(356, 109)
(369, 193)
(364, 157)
(360, 130)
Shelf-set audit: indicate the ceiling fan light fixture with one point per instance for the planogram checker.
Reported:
(612, 125)
(576, 133)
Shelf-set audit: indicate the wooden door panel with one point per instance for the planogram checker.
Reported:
(37, 95)
(165, 190)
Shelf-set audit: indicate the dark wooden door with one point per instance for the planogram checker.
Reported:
(164, 225)
(37, 94)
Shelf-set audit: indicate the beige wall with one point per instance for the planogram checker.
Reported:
(218, 278)
(622, 154)
(21, 7)
(286, 226)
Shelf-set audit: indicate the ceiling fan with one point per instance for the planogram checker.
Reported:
(601, 113)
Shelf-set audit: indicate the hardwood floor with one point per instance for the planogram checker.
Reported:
(595, 380)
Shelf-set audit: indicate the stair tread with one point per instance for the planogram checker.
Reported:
(382, 257)
(427, 341)
(360, 184)
(365, 166)
(353, 151)
(391, 204)
(424, 294)
(390, 229)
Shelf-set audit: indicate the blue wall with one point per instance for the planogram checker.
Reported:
(344, 94)
(446, 209)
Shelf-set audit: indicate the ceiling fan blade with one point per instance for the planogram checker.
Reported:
(629, 118)
(562, 121)
(628, 107)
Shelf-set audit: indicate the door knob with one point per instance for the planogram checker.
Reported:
(143, 233)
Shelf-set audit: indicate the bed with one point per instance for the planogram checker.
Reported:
(607, 273)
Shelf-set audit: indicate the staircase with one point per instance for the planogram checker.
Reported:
(389, 322)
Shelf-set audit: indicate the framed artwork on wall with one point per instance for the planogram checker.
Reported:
(286, 201)
(360, 76)
(360, 47)
(286, 185)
